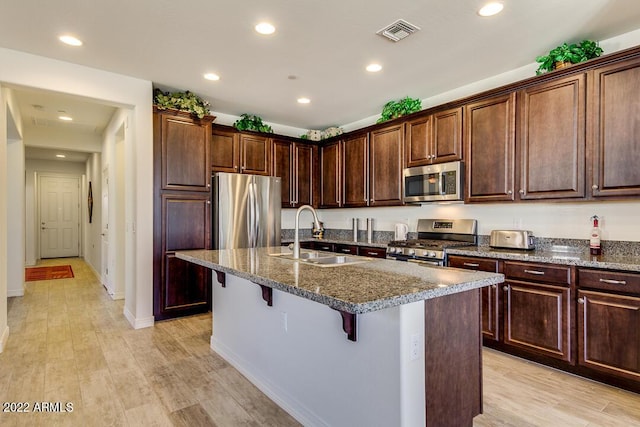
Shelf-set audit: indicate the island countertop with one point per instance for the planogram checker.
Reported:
(357, 288)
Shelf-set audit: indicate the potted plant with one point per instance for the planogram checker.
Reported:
(566, 54)
(253, 123)
(394, 109)
(183, 101)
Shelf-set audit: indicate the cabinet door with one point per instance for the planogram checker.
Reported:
(490, 300)
(537, 318)
(609, 333)
(356, 171)
(490, 142)
(225, 152)
(418, 141)
(185, 153)
(616, 129)
(551, 139)
(305, 156)
(283, 162)
(330, 169)
(372, 252)
(182, 288)
(255, 155)
(385, 163)
(447, 136)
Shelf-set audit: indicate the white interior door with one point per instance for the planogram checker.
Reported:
(106, 280)
(59, 217)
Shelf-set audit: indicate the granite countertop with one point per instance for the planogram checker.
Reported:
(338, 241)
(356, 288)
(577, 258)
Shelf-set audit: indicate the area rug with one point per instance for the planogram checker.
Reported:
(48, 273)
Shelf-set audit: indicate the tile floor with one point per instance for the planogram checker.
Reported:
(70, 343)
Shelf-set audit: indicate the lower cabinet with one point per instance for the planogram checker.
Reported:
(345, 248)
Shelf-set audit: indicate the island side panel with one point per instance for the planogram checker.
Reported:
(453, 364)
(310, 368)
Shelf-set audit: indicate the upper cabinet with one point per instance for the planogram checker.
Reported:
(616, 129)
(489, 139)
(237, 152)
(294, 163)
(435, 138)
(385, 165)
(355, 165)
(551, 139)
(331, 175)
(184, 144)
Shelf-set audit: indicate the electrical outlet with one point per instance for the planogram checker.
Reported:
(284, 321)
(414, 353)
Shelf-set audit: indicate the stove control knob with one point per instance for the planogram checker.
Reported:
(432, 254)
(391, 250)
(411, 251)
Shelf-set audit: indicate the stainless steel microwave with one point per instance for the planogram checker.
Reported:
(433, 183)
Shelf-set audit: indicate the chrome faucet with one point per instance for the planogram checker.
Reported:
(296, 239)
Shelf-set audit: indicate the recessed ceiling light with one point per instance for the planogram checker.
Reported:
(374, 68)
(212, 76)
(65, 118)
(303, 100)
(491, 9)
(60, 156)
(265, 28)
(70, 40)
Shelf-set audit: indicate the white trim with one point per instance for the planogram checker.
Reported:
(4, 338)
(117, 295)
(138, 323)
(15, 292)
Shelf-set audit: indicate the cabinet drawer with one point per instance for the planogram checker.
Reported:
(320, 246)
(469, 263)
(609, 280)
(560, 275)
(347, 249)
(372, 252)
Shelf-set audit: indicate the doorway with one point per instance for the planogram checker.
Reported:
(59, 204)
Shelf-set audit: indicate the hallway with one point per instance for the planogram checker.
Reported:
(70, 343)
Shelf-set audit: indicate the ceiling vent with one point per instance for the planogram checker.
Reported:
(399, 30)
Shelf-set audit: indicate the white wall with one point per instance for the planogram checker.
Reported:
(619, 220)
(46, 137)
(121, 91)
(92, 239)
(15, 217)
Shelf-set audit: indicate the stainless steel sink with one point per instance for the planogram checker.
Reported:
(324, 259)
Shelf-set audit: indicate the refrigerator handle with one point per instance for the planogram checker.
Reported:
(253, 224)
(250, 215)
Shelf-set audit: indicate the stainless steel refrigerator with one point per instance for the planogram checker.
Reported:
(246, 211)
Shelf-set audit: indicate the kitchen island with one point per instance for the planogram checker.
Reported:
(379, 342)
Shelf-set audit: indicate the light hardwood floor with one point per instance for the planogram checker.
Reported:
(69, 342)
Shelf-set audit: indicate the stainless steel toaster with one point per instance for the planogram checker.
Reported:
(512, 239)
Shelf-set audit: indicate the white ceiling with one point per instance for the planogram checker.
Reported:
(324, 44)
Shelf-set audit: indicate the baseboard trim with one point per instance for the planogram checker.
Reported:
(4, 338)
(117, 296)
(138, 323)
(15, 292)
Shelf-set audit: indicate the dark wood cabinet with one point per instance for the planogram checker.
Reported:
(609, 322)
(434, 138)
(489, 295)
(238, 152)
(489, 139)
(537, 309)
(372, 252)
(385, 166)
(355, 168)
(551, 139)
(294, 163)
(182, 216)
(346, 249)
(616, 130)
(331, 175)
(184, 148)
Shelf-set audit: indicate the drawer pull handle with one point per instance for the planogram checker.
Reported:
(470, 264)
(614, 282)
(581, 300)
(346, 251)
(536, 272)
(372, 253)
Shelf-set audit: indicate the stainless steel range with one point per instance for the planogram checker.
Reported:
(434, 237)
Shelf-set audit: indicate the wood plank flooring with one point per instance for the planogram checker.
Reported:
(70, 343)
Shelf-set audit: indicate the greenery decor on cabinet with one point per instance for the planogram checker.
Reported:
(252, 122)
(395, 109)
(183, 101)
(565, 54)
